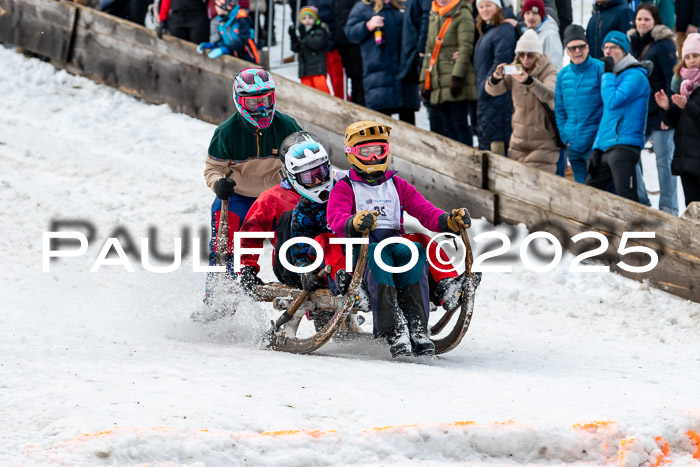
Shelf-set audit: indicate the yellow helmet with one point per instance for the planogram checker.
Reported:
(360, 151)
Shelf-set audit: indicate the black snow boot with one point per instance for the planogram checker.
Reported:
(411, 303)
(450, 292)
(390, 322)
(342, 282)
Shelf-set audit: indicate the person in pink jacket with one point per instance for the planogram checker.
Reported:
(371, 199)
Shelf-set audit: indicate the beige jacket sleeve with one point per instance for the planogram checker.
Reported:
(502, 87)
(214, 170)
(543, 87)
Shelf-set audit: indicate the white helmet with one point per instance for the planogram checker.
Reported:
(307, 165)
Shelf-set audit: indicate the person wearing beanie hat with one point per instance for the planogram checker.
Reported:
(547, 30)
(575, 33)
(311, 43)
(532, 82)
(311, 11)
(578, 105)
(682, 112)
(618, 144)
(496, 44)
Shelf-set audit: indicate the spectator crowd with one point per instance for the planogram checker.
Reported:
(483, 70)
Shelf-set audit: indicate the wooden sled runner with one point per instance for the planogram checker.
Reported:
(343, 324)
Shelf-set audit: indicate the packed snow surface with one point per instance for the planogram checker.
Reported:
(107, 367)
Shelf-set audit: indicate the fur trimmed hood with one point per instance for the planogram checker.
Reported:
(658, 33)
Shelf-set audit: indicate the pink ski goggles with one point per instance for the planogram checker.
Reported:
(258, 102)
(366, 152)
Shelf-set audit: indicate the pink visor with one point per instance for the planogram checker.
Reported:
(258, 102)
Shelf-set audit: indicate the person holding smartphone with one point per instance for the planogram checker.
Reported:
(532, 80)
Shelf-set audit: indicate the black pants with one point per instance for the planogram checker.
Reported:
(405, 115)
(617, 166)
(691, 188)
(351, 57)
(455, 118)
(190, 25)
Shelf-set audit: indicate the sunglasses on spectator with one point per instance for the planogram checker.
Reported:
(610, 47)
(574, 48)
(365, 152)
(526, 55)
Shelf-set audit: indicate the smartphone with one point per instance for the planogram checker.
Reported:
(513, 69)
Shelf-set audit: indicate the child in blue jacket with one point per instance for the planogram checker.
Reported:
(231, 30)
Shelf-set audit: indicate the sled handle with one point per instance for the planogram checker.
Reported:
(222, 233)
(468, 261)
(289, 314)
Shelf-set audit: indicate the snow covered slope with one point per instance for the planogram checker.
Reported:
(107, 368)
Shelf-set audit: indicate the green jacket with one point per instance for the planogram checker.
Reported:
(251, 153)
(459, 36)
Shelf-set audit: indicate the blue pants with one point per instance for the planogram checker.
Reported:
(561, 163)
(668, 184)
(579, 162)
(238, 206)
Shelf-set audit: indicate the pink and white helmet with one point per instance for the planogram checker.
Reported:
(254, 95)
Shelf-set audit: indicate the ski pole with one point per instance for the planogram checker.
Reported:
(289, 314)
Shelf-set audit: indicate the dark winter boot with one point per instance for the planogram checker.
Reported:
(399, 340)
(411, 303)
(389, 322)
(342, 282)
(450, 292)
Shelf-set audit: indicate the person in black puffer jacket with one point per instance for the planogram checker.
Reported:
(651, 40)
(312, 46)
(683, 114)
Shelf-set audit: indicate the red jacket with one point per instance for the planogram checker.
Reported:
(263, 216)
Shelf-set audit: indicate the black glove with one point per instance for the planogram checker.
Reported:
(302, 30)
(310, 281)
(424, 93)
(608, 64)
(162, 27)
(224, 187)
(249, 279)
(594, 161)
(456, 85)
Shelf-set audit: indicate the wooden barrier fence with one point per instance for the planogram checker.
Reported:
(129, 57)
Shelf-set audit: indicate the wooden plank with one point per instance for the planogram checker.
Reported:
(420, 147)
(38, 26)
(676, 272)
(588, 205)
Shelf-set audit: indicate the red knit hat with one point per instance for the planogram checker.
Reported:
(537, 6)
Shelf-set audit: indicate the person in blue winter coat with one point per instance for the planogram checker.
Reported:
(620, 138)
(496, 45)
(608, 15)
(231, 33)
(376, 26)
(651, 40)
(578, 105)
